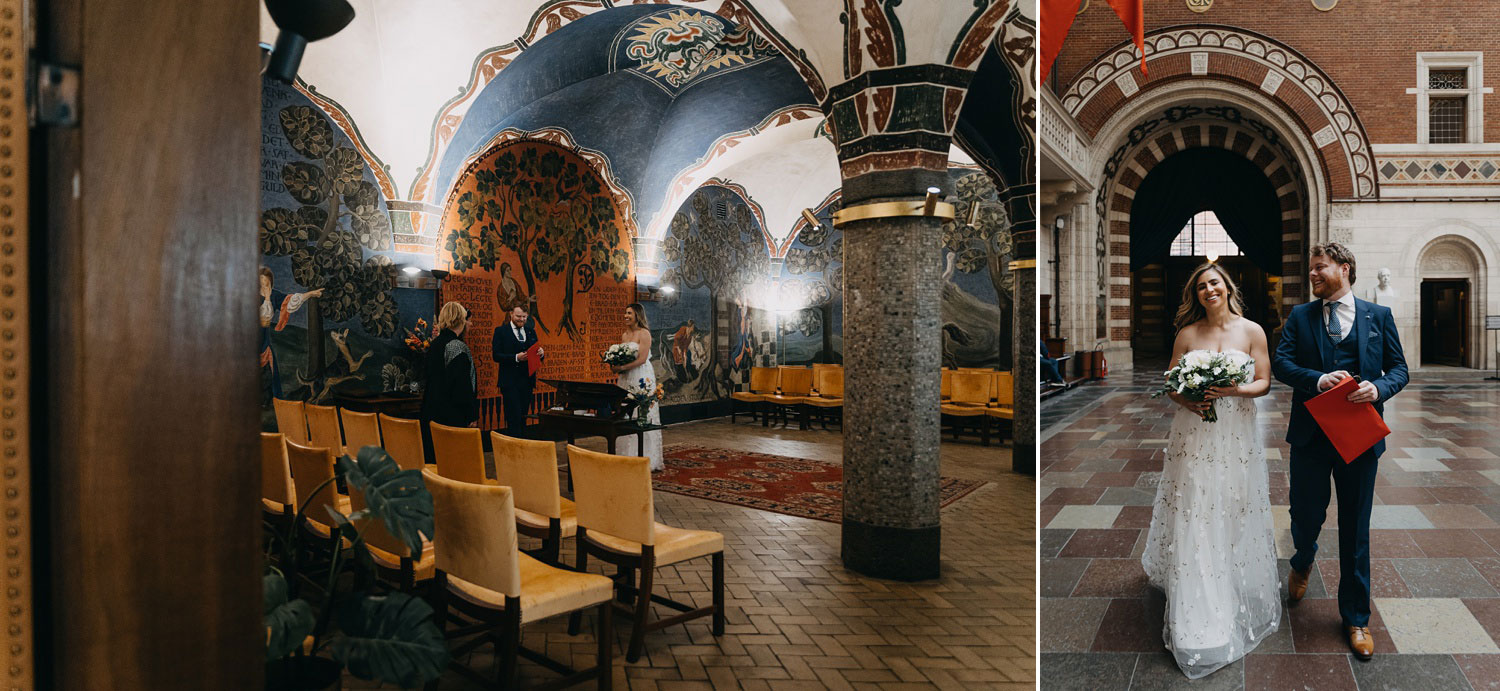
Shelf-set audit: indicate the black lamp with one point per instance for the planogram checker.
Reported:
(302, 21)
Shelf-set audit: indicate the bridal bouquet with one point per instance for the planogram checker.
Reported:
(621, 354)
(1200, 370)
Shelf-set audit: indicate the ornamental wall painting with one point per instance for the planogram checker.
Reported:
(532, 224)
(713, 256)
(324, 226)
(977, 283)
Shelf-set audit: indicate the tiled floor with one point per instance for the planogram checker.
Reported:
(799, 620)
(1435, 546)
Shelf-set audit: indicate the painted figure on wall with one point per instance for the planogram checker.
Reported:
(276, 310)
(508, 293)
(977, 284)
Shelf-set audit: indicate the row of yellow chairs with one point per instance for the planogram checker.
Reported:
(320, 425)
(816, 390)
(977, 398)
(613, 521)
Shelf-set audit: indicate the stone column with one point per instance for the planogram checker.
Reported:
(1020, 204)
(892, 359)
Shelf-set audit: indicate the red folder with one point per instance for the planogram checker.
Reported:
(533, 361)
(1352, 427)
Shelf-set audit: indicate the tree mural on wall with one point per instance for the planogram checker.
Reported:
(340, 216)
(983, 246)
(555, 215)
(816, 259)
(725, 256)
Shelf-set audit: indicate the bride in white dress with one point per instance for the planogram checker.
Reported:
(638, 331)
(1211, 547)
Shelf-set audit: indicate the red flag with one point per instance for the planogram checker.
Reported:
(1057, 18)
(1133, 13)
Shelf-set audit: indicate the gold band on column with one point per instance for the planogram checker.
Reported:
(1023, 264)
(862, 212)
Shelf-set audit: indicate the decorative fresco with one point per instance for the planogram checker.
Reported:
(325, 236)
(978, 287)
(713, 259)
(679, 46)
(531, 223)
(810, 313)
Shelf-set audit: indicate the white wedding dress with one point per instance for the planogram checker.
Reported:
(1211, 546)
(630, 380)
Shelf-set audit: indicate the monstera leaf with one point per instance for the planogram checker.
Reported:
(391, 639)
(397, 497)
(289, 623)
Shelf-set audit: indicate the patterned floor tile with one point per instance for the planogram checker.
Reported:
(1068, 624)
(1080, 672)
(1433, 625)
(1435, 536)
(1075, 517)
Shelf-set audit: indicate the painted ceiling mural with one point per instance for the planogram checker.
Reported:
(424, 51)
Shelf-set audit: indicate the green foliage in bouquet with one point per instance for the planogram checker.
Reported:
(1200, 370)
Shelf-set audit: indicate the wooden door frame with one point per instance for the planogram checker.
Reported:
(144, 240)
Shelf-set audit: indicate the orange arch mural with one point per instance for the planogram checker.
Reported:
(531, 223)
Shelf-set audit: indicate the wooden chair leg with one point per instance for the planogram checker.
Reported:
(576, 618)
(718, 569)
(765, 414)
(438, 594)
(510, 643)
(605, 651)
(642, 606)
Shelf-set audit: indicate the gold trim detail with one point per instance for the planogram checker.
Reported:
(862, 212)
(1023, 264)
(15, 349)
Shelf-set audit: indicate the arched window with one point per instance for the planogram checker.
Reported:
(1203, 236)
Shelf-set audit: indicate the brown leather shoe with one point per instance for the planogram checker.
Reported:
(1296, 584)
(1360, 641)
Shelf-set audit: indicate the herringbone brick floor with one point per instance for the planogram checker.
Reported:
(798, 620)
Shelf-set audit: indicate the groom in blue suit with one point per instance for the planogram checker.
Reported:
(1326, 341)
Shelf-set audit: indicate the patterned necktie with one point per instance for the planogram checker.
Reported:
(1335, 328)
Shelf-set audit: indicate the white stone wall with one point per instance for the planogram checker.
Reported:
(1426, 239)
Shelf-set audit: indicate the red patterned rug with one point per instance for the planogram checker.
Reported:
(793, 486)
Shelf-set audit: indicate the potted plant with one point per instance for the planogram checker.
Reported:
(386, 637)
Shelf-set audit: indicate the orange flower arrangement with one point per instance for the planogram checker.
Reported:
(420, 338)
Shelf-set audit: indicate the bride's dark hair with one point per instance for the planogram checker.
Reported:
(1191, 310)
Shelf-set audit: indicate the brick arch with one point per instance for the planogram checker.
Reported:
(1294, 83)
(1177, 129)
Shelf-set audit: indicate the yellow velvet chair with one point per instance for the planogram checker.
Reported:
(481, 574)
(946, 390)
(827, 399)
(403, 441)
(1002, 406)
(459, 452)
(796, 385)
(617, 523)
(291, 419)
(312, 480)
(763, 383)
(323, 427)
(278, 497)
(971, 393)
(530, 468)
(360, 430)
(391, 556)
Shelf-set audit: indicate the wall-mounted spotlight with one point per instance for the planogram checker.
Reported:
(812, 219)
(668, 289)
(411, 270)
(1061, 223)
(932, 199)
(301, 22)
(1213, 257)
(440, 274)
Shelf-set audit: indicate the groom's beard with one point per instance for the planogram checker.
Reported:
(1329, 288)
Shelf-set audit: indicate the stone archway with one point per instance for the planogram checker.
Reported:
(1278, 104)
(1451, 293)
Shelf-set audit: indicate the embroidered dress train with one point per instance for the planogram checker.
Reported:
(1210, 547)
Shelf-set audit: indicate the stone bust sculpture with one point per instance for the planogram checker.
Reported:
(1383, 293)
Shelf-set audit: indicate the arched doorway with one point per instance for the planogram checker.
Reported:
(1200, 204)
(1450, 303)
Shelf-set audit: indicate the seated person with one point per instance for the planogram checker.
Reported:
(1049, 369)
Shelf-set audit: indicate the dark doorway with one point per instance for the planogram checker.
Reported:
(1167, 241)
(1445, 332)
